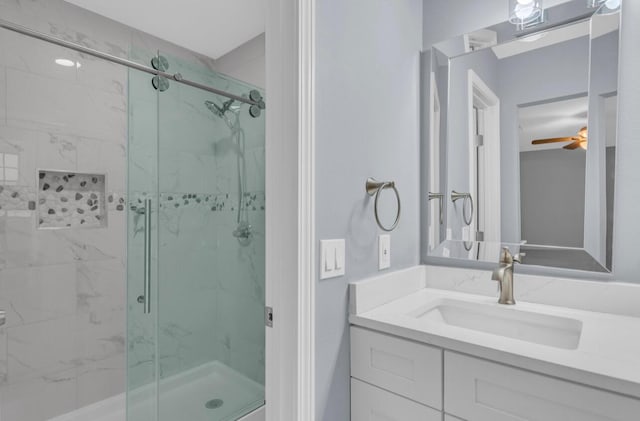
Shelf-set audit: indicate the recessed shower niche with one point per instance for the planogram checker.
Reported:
(71, 200)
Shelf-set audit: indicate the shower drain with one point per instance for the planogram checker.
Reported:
(214, 404)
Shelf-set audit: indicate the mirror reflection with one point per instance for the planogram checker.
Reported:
(522, 127)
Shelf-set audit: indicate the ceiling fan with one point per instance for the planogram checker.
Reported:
(580, 140)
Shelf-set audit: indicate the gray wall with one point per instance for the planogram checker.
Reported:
(443, 20)
(367, 124)
(247, 62)
(552, 197)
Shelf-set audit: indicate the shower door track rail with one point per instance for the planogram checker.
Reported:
(115, 59)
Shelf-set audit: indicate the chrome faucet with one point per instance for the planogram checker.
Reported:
(504, 275)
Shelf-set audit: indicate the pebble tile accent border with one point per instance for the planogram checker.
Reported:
(253, 201)
(24, 200)
(71, 200)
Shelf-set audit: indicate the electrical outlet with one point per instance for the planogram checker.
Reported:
(384, 251)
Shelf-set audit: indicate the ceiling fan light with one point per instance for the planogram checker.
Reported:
(583, 145)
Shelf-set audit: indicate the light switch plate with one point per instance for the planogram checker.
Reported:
(384, 251)
(332, 258)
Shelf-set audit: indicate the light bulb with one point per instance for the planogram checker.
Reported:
(525, 13)
(612, 4)
(522, 12)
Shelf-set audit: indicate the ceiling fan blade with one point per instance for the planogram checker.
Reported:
(574, 145)
(583, 134)
(553, 140)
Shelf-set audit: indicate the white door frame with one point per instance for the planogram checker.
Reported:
(290, 222)
(481, 96)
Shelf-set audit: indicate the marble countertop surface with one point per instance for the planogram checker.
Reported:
(607, 355)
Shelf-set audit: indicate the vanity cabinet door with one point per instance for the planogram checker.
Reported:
(370, 403)
(479, 390)
(410, 369)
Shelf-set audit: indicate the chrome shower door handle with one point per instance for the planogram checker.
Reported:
(147, 257)
(3, 317)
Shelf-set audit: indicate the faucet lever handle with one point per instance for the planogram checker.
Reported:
(507, 258)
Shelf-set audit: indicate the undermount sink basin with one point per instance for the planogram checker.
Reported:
(507, 321)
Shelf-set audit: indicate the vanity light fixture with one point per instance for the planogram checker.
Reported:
(525, 13)
(608, 7)
(605, 7)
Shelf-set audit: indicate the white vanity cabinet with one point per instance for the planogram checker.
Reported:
(371, 403)
(395, 379)
(480, 390)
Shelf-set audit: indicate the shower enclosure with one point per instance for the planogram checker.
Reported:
(195, 248)
(123, 191)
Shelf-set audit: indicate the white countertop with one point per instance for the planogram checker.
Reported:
(607, 355)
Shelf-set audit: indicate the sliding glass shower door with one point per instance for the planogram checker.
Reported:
(196, 234)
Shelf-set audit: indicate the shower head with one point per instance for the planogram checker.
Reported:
(220, 110)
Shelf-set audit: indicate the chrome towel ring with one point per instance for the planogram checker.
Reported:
(374, 188)
(455, 196)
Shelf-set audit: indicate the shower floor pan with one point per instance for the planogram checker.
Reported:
(210, 392)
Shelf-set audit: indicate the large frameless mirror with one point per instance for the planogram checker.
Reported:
(522, 140)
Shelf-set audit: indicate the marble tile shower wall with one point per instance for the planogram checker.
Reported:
(64, 344)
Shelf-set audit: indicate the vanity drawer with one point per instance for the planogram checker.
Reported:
(398, 365)
(369, 403)
(479, 390)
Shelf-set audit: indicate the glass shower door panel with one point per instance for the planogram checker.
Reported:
(211, 252)
(142, 309)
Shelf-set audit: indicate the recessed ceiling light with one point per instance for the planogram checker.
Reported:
(67, 63)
